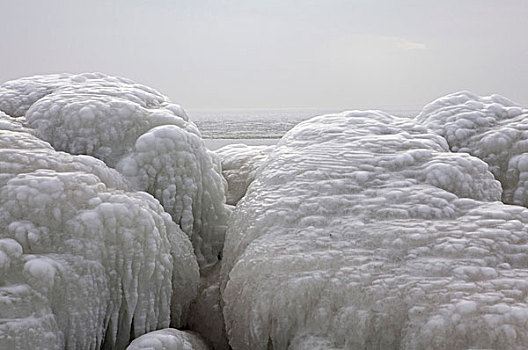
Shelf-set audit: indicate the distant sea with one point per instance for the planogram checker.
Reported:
(255, 126)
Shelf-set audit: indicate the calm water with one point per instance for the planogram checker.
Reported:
(253, 126)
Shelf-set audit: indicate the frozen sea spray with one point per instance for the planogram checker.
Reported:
(84, 260)
(491, 128)
(168, 339)
(136, 130)
(363, 230)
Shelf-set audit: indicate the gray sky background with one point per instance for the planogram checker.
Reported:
(260, 54)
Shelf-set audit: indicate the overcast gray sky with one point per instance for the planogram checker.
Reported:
(259, 54)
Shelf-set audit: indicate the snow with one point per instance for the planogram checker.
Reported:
(491, 128)
(168, 339)
(137, 131)
(363, 230)
(240, 163)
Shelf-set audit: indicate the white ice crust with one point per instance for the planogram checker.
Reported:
(137, 131)
(240, 163)
(362, 230)
(168, 339)
(491, 128)
(82, 259)
(358, 230)
(85, 260)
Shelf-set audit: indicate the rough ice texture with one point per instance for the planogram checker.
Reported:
(491, 128)
(84, 262)
(362, 231)
(137, 131)
(240, 163)
(21, 152)
(169, 339)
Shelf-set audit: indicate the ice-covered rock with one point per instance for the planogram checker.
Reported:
(362, 230)
(491, 128)
(137, 131)
(169, 339)
(17, 96)
(21, 152)
(84, 262)
(239, 166)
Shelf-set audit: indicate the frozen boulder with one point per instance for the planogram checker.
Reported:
(137, 131)
(491, 128)
(21, 152)
(240, 163)
(362, 231)
(169, 339)
(84, 262)
(18, 96)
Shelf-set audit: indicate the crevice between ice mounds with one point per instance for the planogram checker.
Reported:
(240, 163)
(139, 132)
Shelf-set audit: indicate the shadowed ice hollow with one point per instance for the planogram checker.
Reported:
(239, 166)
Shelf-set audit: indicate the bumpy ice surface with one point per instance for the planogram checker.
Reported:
(168, 339)
(137, 131)
(362, 230)
(491, 128)
(359, 230)
(84, 261)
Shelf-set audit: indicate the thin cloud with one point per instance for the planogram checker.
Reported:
(411, 45)
(400, 42)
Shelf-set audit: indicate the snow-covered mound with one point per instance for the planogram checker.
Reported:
(137, 131)
(83, 261)
(362, 230)
(239, 165)
(491, 128)
(168, 339)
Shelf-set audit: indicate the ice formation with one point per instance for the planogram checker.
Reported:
(168, 339)
(491, 128)
(358, 230)
(362, 230)
(82, 260)
(85, 261)
(240, 163)
(137, 131)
